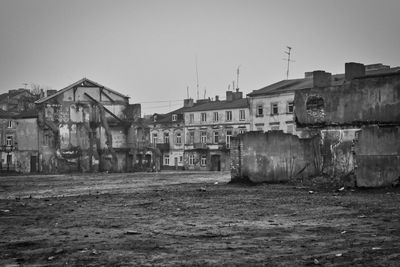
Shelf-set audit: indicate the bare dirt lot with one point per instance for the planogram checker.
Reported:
(192, 219)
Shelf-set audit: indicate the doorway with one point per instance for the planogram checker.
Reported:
(216, 163)
(33, 163)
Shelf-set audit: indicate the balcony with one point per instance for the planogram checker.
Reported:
(200, 146)
(163, 146)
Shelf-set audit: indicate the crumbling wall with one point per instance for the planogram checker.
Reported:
(378, 156)
(362, 101)
(274, 156)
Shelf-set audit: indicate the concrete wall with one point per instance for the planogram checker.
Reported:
(371, 99)
(274, 156)
(378, 156)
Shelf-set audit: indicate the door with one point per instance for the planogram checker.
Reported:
(215, 162)
(176, 163)
(33, 163)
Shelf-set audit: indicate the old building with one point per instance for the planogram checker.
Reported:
(209, 127)
(272, 107)
(350, 130)
(27, 141)
(167, 133)
(84, 127)
(7, 141)
(17, 100)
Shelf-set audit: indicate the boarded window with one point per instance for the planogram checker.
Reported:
(315, 103)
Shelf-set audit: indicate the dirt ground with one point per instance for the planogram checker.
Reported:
(192, 219)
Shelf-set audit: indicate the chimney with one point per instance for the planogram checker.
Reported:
(217, 98)
(188, 103)
(229, 96)
(321, 78)
(353, 70)
(308, 74)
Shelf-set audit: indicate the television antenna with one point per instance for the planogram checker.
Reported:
(288, 52)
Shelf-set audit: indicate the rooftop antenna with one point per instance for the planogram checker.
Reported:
(197, 76)
(288, 61)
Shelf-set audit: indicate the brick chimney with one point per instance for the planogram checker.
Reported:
(188, 103)
(353, 70)
(321, 78)
(51, 92)
(217, 98)
(230, 96)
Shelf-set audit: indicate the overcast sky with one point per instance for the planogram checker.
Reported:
(147, 49)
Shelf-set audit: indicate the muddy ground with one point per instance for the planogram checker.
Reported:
(192, 219)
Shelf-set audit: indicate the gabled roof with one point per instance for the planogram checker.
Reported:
(218, 105)
(44, 99)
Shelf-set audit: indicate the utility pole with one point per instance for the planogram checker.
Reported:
(288, 61)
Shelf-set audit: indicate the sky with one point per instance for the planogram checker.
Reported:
(150, 49)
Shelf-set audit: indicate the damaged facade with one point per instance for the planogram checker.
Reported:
(84, 127)
(351, 123)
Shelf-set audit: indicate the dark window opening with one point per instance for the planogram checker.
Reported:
(315, 103)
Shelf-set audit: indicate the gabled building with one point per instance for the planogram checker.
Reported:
(209, 127)
(84, 127)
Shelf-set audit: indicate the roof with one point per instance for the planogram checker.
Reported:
(5, 114)
(291, 85)
(33, 113)
(217, 105)
(12, 93)
(44, 99)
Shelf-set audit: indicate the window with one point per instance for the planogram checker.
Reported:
(275, 127)
(242, 131)
(191, 118)
(203, 137)
(9, 140)
(46, 140)
(215, 138)
(228, 138)
(191, 159)
(174, 117)
(166, 159)
(9, 124)
(260, 111)
(166, 138)
(191, 137)
(274, 108)
(154, 138)
(203, 161)
(290, 107)
(242, 115)
(180, 159)
(229, 116)
(178, 138)
(215, 116)
(203, 117)
(260, 129)
(315, 103)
